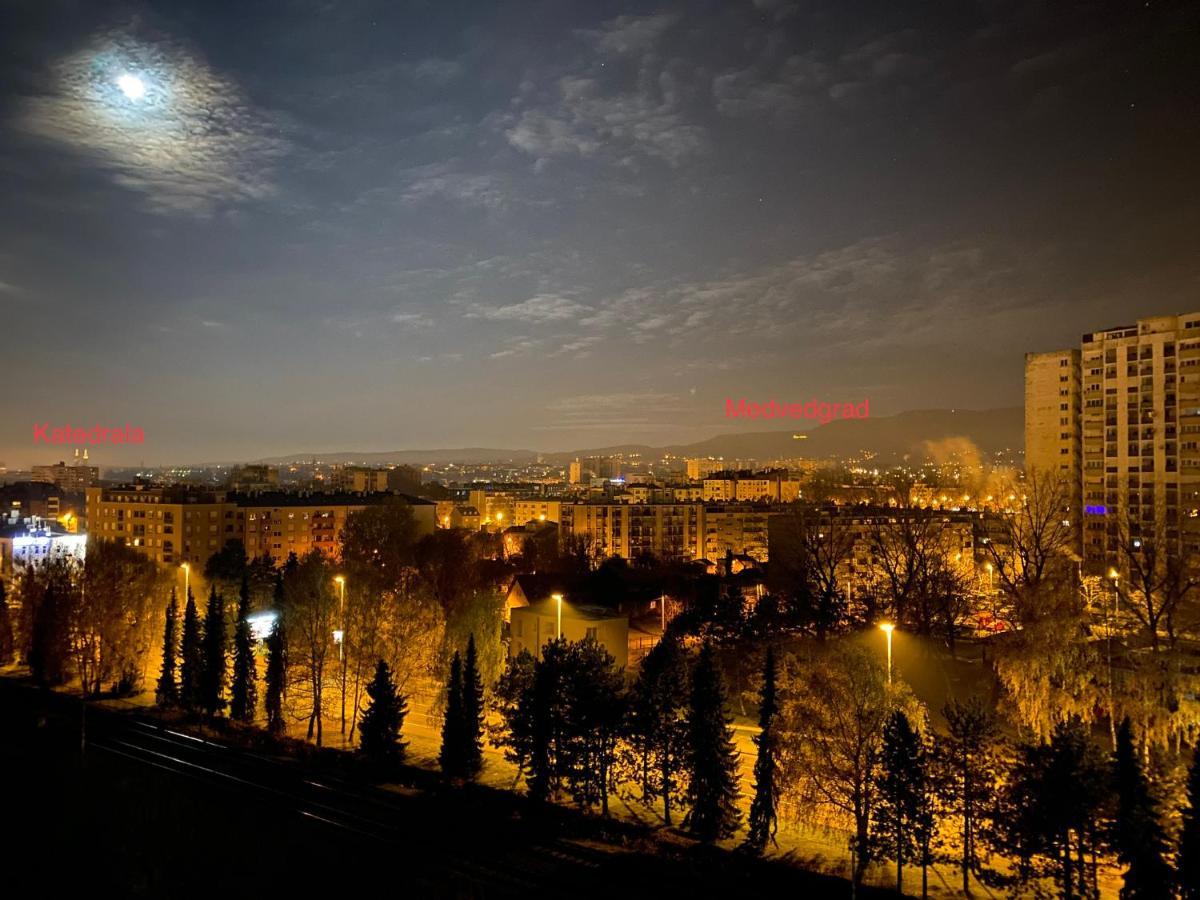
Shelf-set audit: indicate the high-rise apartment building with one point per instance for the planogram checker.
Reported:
(1137, 432)
(1053, 406)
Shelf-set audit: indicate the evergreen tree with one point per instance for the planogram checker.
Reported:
(592, 705)
(167, 692)
(243, 694)
(1188, 858)
(6, 629)
(763, 808)
(274, 679)
(901, 792)
(712, 760)
(512, 699)
(191, 656)
(382, 721)
(471, 709)
(451, 758)
(659, 719)
(967, 761)
(1136, 834)
(1056, 792)
(212, 673)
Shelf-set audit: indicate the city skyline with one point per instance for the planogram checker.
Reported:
(438, 226)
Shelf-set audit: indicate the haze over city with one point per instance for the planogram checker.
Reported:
(309, 226)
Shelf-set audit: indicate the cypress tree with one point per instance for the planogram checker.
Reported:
(273, 701)
(471, 732)
(382, 721)
(451, 758)
(1188, 858)
(243, 694)
(763, 819)
(6, 629)
(212, 674)
(1137, 835)
(167, 692)
(191, 658)
(713, 789)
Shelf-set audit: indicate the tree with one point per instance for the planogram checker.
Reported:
(659, 719)
(1137, 835)
(191, 656)
(452, 758)
(6, 630)
(275, 679)
(833, 710)
(512, 702)
(167, 692)
(114, 621)
(966, 760)
(471, 709)
(212, 675)
(228, 566)
(902, 786)
(712, 757)
(311, 605)
(763, 819)
(243, 693)
(382, 536)
(1055, 794)
(48, 595)
(383, 720)
(593, 711)
(1188, 858)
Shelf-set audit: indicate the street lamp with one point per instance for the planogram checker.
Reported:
(187, 571)
(558, 600)
(887, 628)
(340, 581)
(339, 638)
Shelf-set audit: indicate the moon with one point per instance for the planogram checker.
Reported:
(131, 86)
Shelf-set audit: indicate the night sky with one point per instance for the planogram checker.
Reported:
(254, 228)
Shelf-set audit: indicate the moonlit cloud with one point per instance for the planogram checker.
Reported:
(189, 143)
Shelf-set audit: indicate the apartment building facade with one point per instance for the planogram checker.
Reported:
(1137, 431)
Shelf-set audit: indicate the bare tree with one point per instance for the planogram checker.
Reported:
(312, 614)
(1035, 541)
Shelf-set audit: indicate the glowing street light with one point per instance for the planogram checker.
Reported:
(187, 571)
(340, 581)
(887, 628)
(558, 599)
(339, 638)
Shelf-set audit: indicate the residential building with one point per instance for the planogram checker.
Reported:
(536, 511)
(1053, 410)
(72, 479)
(532, 627)
(178, 524)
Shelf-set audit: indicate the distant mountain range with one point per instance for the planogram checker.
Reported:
(918, 434)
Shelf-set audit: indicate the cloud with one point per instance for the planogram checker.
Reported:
(190, 143)
(441, 180)
(537, 310)
(627, 35)
(619, 114)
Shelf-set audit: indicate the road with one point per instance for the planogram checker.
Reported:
(148, 810)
